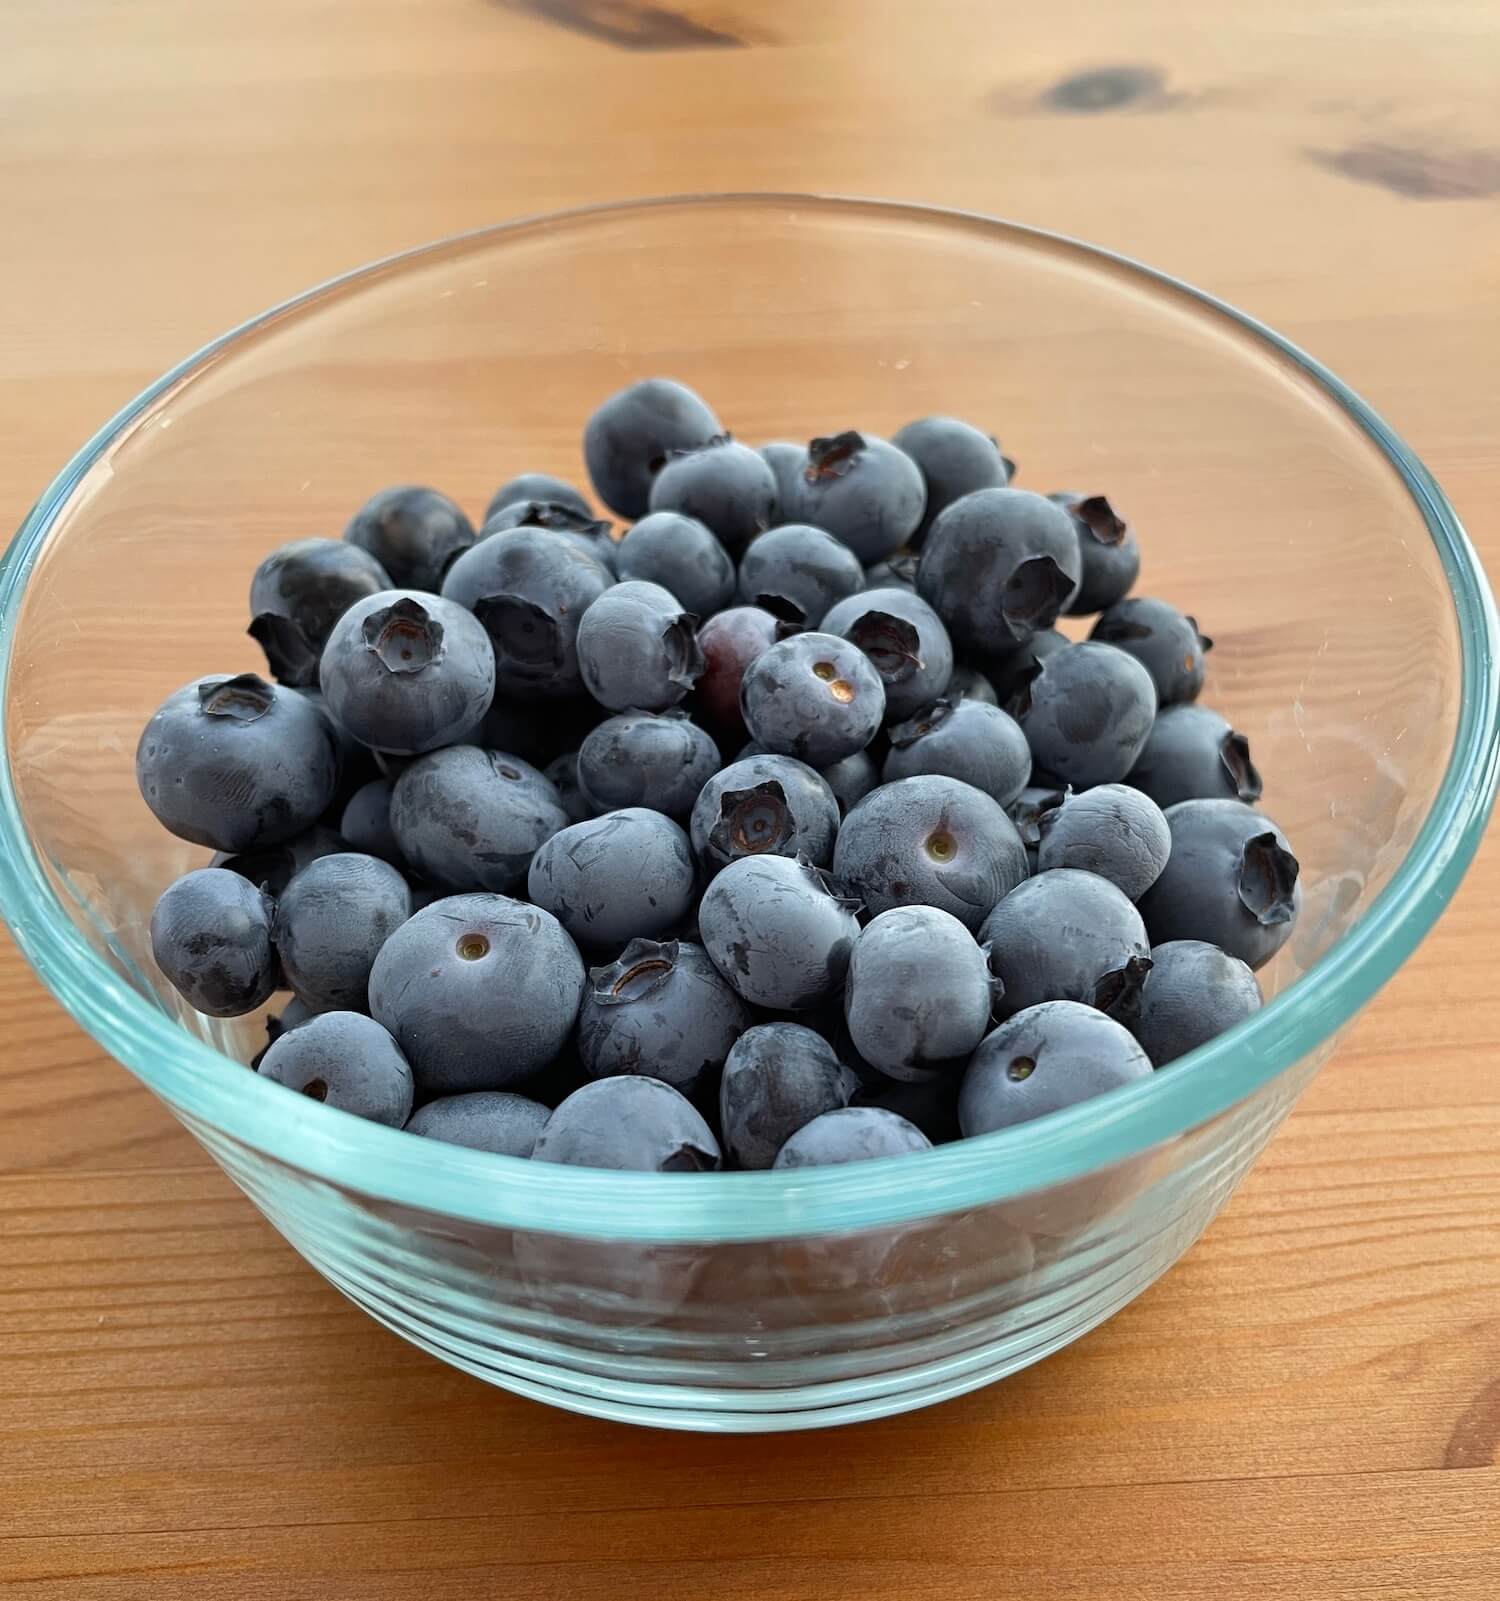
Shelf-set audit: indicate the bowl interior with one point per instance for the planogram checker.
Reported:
(1263, 507)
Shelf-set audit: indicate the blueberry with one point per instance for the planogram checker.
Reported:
(864, 491)
(931, 1101)
(1191, 753)
(1164, 640)
(850, 1134)
(778, 931)
(299, 592)
(955, 459)
(530, 591)
(272, 867)
(970, 682)
(558, 522)
(787, 463)
(1108, 553)
(930, 841)
(233, 763)
(656, 759)
(347, 1060)
(637, 648)
(729, 642)
(628, 873)
(483, 1120)
(1067, 936)
(539, 487)
(330, 923)
(366, 822)
(813, 696)
(797, 572)
(1043, 1060)
(628, 439)
(965, 739)
(905, 640)
(917, 998)
(661, 1010)
(1086, 712)
(851, 779)
(724, 485)
(480, 992)
(778, 1077)
(998, 566)
(1193, 993)
(1006, 672)
(408, 673)
(414, 533)
(763, 805)
(293, 1015)
(1112, 830)
(1027, 810)
(211, 937)
(1230, 881)
(896, 572)
(683, 556)
(632, 1124)
(562, 773)
(472, 819)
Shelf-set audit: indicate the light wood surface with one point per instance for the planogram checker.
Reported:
(1309, 1406)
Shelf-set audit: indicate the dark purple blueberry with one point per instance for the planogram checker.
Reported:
(864, 491)
(778, 931)
(930, 841)
(347, 1060)
(660, 760)
(627, 441)
(561, 522)
(725, 485)
(211, 937)
(366, 822)
(562, 773)
(626, 874)
(498, 1121)
(472, 819)
(998, 566)
(236, 763)
(787, 462)
(1086, 712)
(1230, 881)
(851, 779)
(761, 805)
(414, 533)
(1112, 830)
(1192, 753)
(966, 739)
(629, 1123)
(1164, 640)
(480, 992)
(682, 555)
(1193, 993)
(661, 1010)
(1067, 936)
(1043, 1060)
(299, 592)
(730, 641)
(955, 459)
(917, 998)
(813, 696)
(1107, 551)
(905, 640)
(797, 572)
(638, 649)
(272, 867)
(538, 486)
(530, 590)
(850, 1134)
(408, 673)
(331, 921)
(778, 1077)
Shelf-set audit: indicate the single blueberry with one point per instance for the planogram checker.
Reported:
(558, 523)
(1164, 640)
(331, 921)
(682, 555)
(965, 739)
(1112, 830)
(1192, 753)
(787, 462)
(905, 640)
(414, 533)
(850, 1134)
(813, 696)
(628, 439)
(1108, 553)
(273, 867)
(777, 1078)
(864, 491)
(730, 641)
(629, 1123)
(562, 773)
(211, 937)
(764, 804)
(366, 822)
(851, 779)
(660, 760)
(483, 1120)
(1086, 712)
(537, 486)
(347, 1060)
(955, 459)
(1193, 992)
(797, 572)
(726, 486)
(299, 592)
(638, 649)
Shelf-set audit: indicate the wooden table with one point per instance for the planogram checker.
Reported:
(1309, 1406)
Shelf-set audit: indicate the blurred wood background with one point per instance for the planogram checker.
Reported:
(1309, 1406)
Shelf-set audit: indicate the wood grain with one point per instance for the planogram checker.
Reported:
(1309, 1405)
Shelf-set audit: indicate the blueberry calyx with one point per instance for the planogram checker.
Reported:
(1118, 993)
(788, 614)
(559, 517)
(752, 821)
(1103, 522)
(688, 1158)
(641, 969)
(1035, 593)
(1112, 630)
(1268, 877)
(891, 643)
(405, 636)
(830, 886)
(1234, 753)
(522, 630)
(291, 658)
(686, 662)
(244, 698)
(1205, 644)
(924, 722)
(1018, 702)
(832, 456)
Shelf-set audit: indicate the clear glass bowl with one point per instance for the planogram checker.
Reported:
(1356, 640)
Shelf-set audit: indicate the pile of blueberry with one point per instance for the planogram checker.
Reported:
(783, 830)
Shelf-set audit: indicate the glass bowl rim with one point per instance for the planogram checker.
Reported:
(478, 1187)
